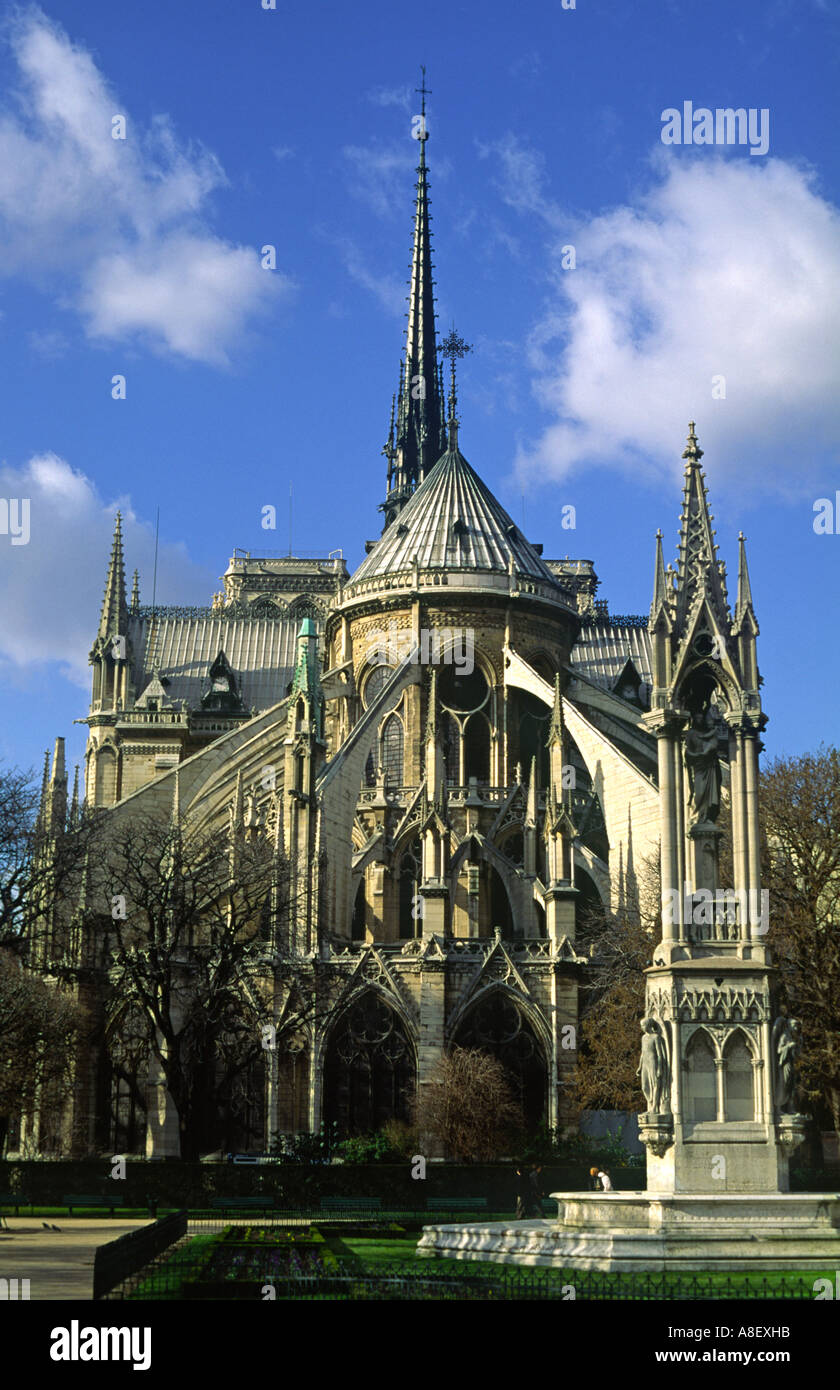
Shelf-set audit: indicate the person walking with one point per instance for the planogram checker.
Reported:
(522, 1193)
(535, 1191)
(594, 1182)
(605, 1180)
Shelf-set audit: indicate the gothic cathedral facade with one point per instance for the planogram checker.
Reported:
(466, 750)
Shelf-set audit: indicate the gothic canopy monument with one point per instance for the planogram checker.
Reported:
(717, 1059)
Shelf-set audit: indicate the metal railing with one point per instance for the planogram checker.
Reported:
(120, 1258)
(236, 1270)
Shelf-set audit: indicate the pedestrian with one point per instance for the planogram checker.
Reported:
(535, 1191)
(522, 1193)
(604, 1180)
(593, 1180)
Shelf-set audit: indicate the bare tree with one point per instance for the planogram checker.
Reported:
(620, 946)
(800, 801)
(471, 1107)
(192, 953)
(39, 862)
(38, 1024)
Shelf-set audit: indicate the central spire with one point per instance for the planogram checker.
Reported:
(418, 436)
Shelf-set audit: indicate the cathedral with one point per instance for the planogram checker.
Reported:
(460, 748)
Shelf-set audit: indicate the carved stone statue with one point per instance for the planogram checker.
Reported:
(654, 1068)
(787, 1045)
(701, 760)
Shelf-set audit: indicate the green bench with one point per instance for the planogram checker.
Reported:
(75, 1199)
(456, 1204)
(12, 1199)
(351, 1204)
(243, 1203)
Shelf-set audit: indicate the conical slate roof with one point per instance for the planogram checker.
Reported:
(453, 522)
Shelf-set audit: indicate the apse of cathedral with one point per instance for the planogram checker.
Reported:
(453, 746)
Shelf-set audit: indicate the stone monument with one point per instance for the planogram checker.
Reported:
(718, 1056)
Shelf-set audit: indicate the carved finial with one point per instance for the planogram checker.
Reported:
(453, 347)
(692, 452)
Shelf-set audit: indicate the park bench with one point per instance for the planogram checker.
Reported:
(351, 1205)
(12, 1199)
(89, 1200)
(243, 1203)
(456, 1204)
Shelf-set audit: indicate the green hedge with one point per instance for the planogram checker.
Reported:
(173, 1183)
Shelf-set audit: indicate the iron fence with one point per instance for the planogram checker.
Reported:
(191, 1275)
(119, 1259)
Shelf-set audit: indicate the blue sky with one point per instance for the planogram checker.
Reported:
(247, 127)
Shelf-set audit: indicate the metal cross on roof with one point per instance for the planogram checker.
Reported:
(423, 90)
(453, 347)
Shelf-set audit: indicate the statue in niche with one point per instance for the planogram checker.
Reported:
(786, 1047)
(701, 760)
(654, 1068)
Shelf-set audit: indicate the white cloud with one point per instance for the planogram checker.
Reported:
(48, 343)
(50, 591)
(724, 267)
(521, 176)
(190, 291)
(390, 290)
(113, 227)
(394, 96)
(378, 174)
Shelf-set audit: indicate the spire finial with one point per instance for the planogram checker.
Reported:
(744, 598)
(114, 608)
(420, 434)
(453, 347)
(692, 452)
(424, 92)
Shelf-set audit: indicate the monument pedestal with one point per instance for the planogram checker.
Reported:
(630, 1232)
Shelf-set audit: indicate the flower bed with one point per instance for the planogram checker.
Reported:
(246, 1259)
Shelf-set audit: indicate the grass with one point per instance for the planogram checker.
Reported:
(360, 1252)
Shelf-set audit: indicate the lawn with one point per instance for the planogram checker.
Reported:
(241, 1261)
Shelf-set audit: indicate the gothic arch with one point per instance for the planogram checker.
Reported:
(392, 749)
(699, 1076)
(711, 676)
(739, 1076)
(304, 607)
(478, 747)
(369, 1063)
(268, 608)
(497, 1021)
(107, 774)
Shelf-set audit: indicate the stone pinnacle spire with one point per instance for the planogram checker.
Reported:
(114, 607)
(744, 599)
(697, 565)
(420, 436)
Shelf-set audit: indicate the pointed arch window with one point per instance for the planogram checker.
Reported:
(357, 929)
(738, 1080)
(392, 742)
(450, 735)
(700, 1088)
(410, 877)
(477, 748)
